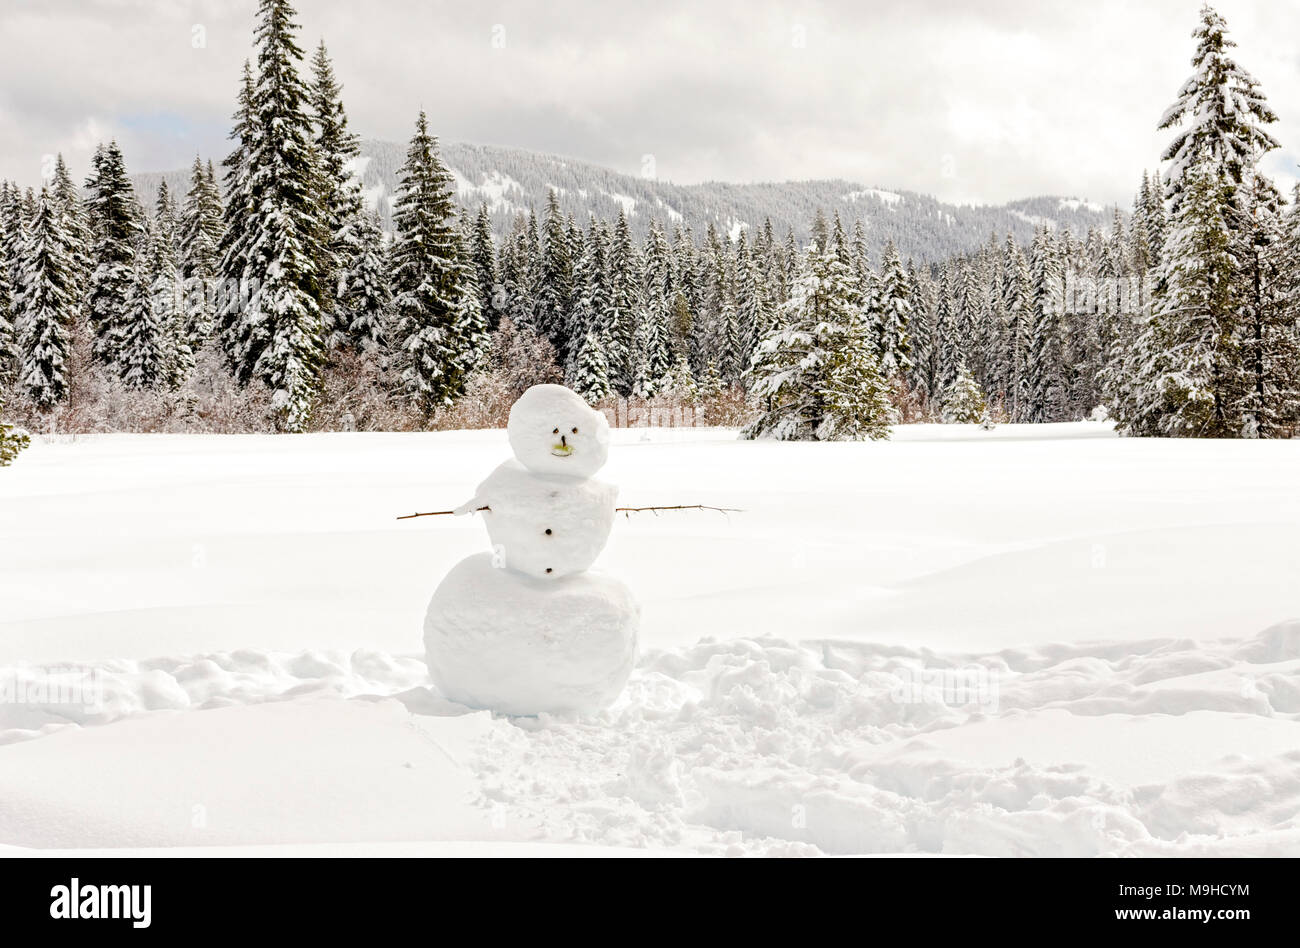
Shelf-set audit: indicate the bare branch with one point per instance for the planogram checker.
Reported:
(655, 510)
(436, 513)
(623, 510)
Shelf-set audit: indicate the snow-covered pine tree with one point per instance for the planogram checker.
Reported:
(786, 260)
(166, 226)
(557, 284)
(856, 397)
(48, 304)
(1183, 372)
(1267, 259)
(338, 192)
(367, 295)
(860, 264)
(10, 272)
(964, 402)
(729, 362)
(658, 289)
(709, 330)
(483, 257)
(115, 224)
(520, 274)
(165, 295)
(651, 353)
(591, 377)
(434, 289)
(892, 311)
(949, 344)
(1140, 251)
(592, 299)
(820, 230)
(471, 322)
(1194, 384)
(13, 440)
(536, 272)
(971, 318)
(924, 293)
(199, 237)
(839, 241)
(626, 304)
(243, 333)
(687, 304)
(753, 306)
(710, 383)
(1225, 112)
(287, 227)
(143, 350)
(1115, 322)
(76, 229)
(1156, 222)
(820, 347)
(679, 381)
(1047, 385)
(1016, 332)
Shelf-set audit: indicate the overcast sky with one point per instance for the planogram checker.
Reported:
(972, 101)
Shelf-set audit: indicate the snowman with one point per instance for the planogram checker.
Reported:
(526, 628)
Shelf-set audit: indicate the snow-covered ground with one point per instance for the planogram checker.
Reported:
(1040, 640)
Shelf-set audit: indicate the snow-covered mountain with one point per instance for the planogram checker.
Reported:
(512, 180)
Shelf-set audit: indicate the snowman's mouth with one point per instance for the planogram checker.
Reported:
(561, 450)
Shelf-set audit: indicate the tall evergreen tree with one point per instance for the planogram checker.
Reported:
(367, 295)
(892, 310)
(1047, 386)
(624, 267)
(11, 242)
(1193, 383)
(287, 226)
(143, 351)
(1017, 333)
(1183, 372)
(116, 227)
(199, 238)
(438, 326)
(1224, 111)
(242, 334)
(753, 308)
(1271, 331)
(76, 228)
(555, 301)
(520, 274)
(483, 256)
(591, 378)
(815, 375)
(165, 296)
(47, 298)
(338, 191)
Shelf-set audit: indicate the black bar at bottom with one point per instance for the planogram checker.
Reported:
(1212, 898)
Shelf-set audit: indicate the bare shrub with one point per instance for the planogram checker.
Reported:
(358, 393)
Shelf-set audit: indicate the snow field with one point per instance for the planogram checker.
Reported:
(1040, 641)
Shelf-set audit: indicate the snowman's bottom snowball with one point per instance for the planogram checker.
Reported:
(498, 639)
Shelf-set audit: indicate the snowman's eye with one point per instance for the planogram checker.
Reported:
(556, 431)
(575, 430)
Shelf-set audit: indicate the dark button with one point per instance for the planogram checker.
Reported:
(548, 531)
(548, 569)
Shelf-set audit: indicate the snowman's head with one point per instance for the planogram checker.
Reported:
(553, 431)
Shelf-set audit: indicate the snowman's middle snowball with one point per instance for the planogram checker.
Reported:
(547, 527)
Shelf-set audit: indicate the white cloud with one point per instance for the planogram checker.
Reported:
(974, 101)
